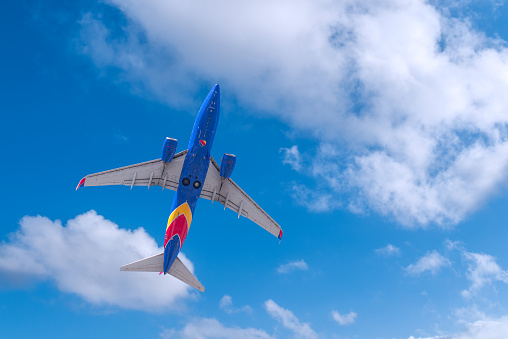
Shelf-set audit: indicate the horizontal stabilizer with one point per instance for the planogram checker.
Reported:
(179, 271)
(156, 263)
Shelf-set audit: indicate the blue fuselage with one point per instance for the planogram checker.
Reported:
(192, 177)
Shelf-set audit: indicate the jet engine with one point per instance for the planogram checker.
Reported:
(227, 165)
(168, 149)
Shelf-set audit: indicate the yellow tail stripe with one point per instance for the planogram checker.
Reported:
(182, 209)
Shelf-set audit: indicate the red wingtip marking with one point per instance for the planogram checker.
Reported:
(81, 183)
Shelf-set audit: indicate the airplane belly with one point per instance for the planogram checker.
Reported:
(194, 171)
(193, 176)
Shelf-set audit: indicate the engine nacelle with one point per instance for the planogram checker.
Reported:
(169, 149)
(227, 164)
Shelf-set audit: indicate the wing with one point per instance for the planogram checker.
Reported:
(147, 174)
(233, 197)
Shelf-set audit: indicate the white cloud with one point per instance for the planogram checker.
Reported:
(452, 245)
(226, 304)
(84, 258)
(345, 319)
(482, 329)
(226, 301)
(482, 270)
(388, 251)
(466, 315)
(289, 320)
(202, 328)
(299, 265)
(212, 328)
(314, 200)
(432, 262)
(492, 329)
(292, 157)
(415, 116)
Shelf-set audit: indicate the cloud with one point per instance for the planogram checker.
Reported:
(203, 328)
(84, 258)
(415, 117)
(291, 157)
(212, 328)
(293, 266)
(226, 304)
(492, 329)
(345, 319)
(314, 200)
(432, 262)
(482, 270)
(289, 320)
(452, 245)
(466, 315)
(388, 251)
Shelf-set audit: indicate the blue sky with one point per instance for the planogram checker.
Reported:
(374, 132)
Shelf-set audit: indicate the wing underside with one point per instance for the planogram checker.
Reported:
(153, 173)
(149, 173)
(233, 197)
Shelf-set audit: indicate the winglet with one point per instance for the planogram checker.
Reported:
(81, 183)
(280, 235)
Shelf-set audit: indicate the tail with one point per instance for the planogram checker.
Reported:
(156, 264)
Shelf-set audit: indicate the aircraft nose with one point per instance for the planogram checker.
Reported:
(215, 95)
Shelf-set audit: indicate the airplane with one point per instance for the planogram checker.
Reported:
(193, 174)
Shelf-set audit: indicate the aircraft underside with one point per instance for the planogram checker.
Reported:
(193, 174)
